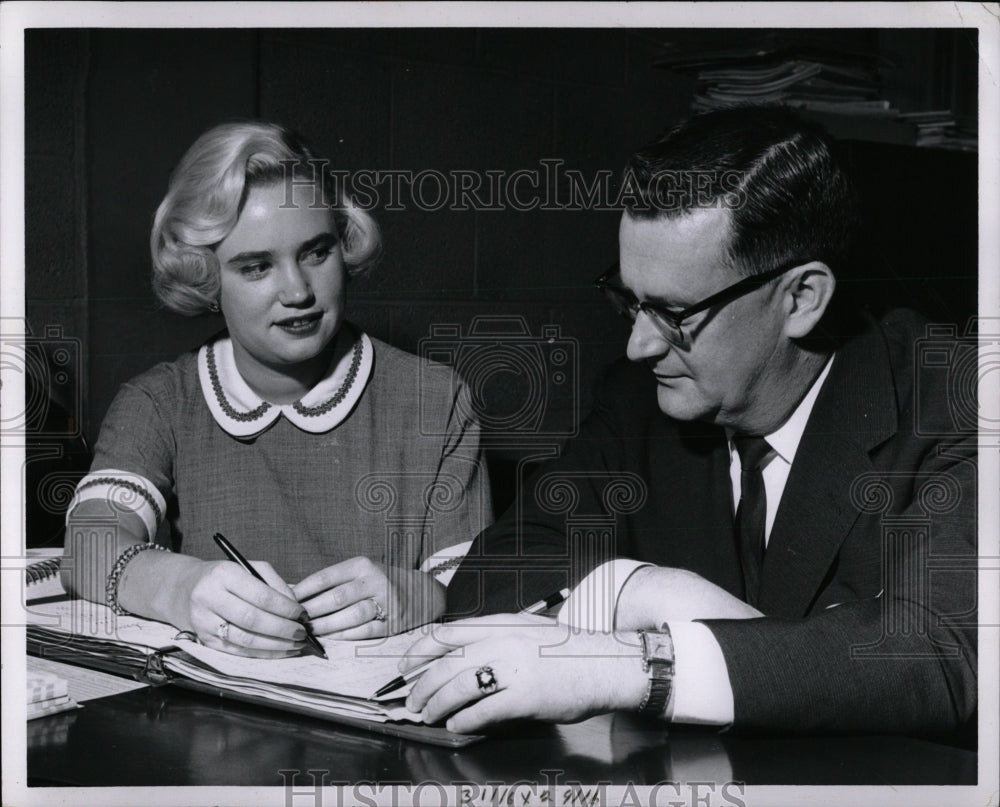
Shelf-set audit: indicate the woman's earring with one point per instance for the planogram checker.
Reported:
(213, 307)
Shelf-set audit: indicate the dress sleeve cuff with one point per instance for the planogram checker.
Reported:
(443, 563)
(702, 692)
(591, 606)
(123, 491)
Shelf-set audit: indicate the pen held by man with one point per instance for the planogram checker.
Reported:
(544, 604)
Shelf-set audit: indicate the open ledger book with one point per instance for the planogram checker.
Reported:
(337, 688)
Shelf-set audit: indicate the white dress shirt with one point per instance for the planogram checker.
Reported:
(701, 692)
(785, 442)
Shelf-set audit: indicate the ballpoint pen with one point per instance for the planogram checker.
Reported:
(401, 681)
(233, 554)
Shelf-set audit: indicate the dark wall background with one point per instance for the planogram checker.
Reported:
(109, 113)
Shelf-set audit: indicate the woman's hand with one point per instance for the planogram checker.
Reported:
(230, 610)
(361, 599)
(541, 670)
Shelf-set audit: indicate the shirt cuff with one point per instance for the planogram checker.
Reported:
(591, 606)
(702, 692)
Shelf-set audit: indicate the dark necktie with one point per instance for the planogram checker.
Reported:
(752, 511)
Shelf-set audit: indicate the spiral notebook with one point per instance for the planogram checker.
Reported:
(41, 576)
(336, 689)
(47, 692)
(42, 570)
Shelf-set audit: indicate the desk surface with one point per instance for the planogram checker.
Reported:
(170, 736)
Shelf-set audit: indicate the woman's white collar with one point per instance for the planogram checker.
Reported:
(242, 413)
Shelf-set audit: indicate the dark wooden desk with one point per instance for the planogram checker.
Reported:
(169, 736)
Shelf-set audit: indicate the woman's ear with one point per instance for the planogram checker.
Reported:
(808, 290)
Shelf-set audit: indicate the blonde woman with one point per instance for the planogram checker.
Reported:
(332, 458)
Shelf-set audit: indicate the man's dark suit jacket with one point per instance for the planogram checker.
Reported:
(868, 585)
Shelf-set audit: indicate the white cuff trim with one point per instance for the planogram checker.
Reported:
(702, 692)
(443, 563)
(124, 491)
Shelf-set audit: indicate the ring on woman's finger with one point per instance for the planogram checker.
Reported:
(223, 631)
(486, 680)
(379, 610)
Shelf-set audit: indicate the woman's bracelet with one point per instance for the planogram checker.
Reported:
(115, 575)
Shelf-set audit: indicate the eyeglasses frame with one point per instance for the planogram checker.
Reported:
(726, 295)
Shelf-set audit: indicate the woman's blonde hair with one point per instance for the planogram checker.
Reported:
(207, 192)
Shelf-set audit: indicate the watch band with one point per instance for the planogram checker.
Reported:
(658, 661)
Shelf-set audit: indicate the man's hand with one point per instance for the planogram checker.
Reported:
(654, 595)
(346, 600)
(541, 670)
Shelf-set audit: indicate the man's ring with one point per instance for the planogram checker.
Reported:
(379, 611)
(223, 631)
(486, 680)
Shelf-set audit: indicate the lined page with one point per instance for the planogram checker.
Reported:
(85, 684)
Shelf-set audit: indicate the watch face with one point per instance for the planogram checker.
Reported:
(658, 646)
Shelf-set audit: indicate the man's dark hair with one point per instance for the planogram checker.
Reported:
(775, 171)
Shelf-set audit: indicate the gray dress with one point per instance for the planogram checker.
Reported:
(384, 463)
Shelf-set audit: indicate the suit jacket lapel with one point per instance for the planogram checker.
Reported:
(855, 412)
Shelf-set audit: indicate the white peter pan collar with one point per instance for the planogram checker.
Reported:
(243, 413)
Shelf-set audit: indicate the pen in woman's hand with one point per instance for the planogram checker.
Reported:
(401, 681)
(234, 555)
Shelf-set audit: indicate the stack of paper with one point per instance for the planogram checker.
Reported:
(339, 685)
(339, 688)
(47, 694)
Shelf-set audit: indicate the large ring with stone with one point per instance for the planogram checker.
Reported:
(379, 610)
(486, 680)
(223, 631)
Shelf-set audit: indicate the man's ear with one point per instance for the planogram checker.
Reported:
(808, 290)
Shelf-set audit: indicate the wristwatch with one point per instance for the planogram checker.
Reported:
(658, 662)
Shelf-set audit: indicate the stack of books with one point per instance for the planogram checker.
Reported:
(835, 77)
(48, 694)
(789, 68)
(940, 129)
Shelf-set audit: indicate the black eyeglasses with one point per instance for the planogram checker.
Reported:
(667, 322)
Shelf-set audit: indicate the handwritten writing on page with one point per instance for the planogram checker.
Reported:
(355, 669)
(98, 622)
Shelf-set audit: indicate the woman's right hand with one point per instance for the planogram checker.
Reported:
(229, 610)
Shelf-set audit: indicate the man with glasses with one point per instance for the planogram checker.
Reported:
(768, 567)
